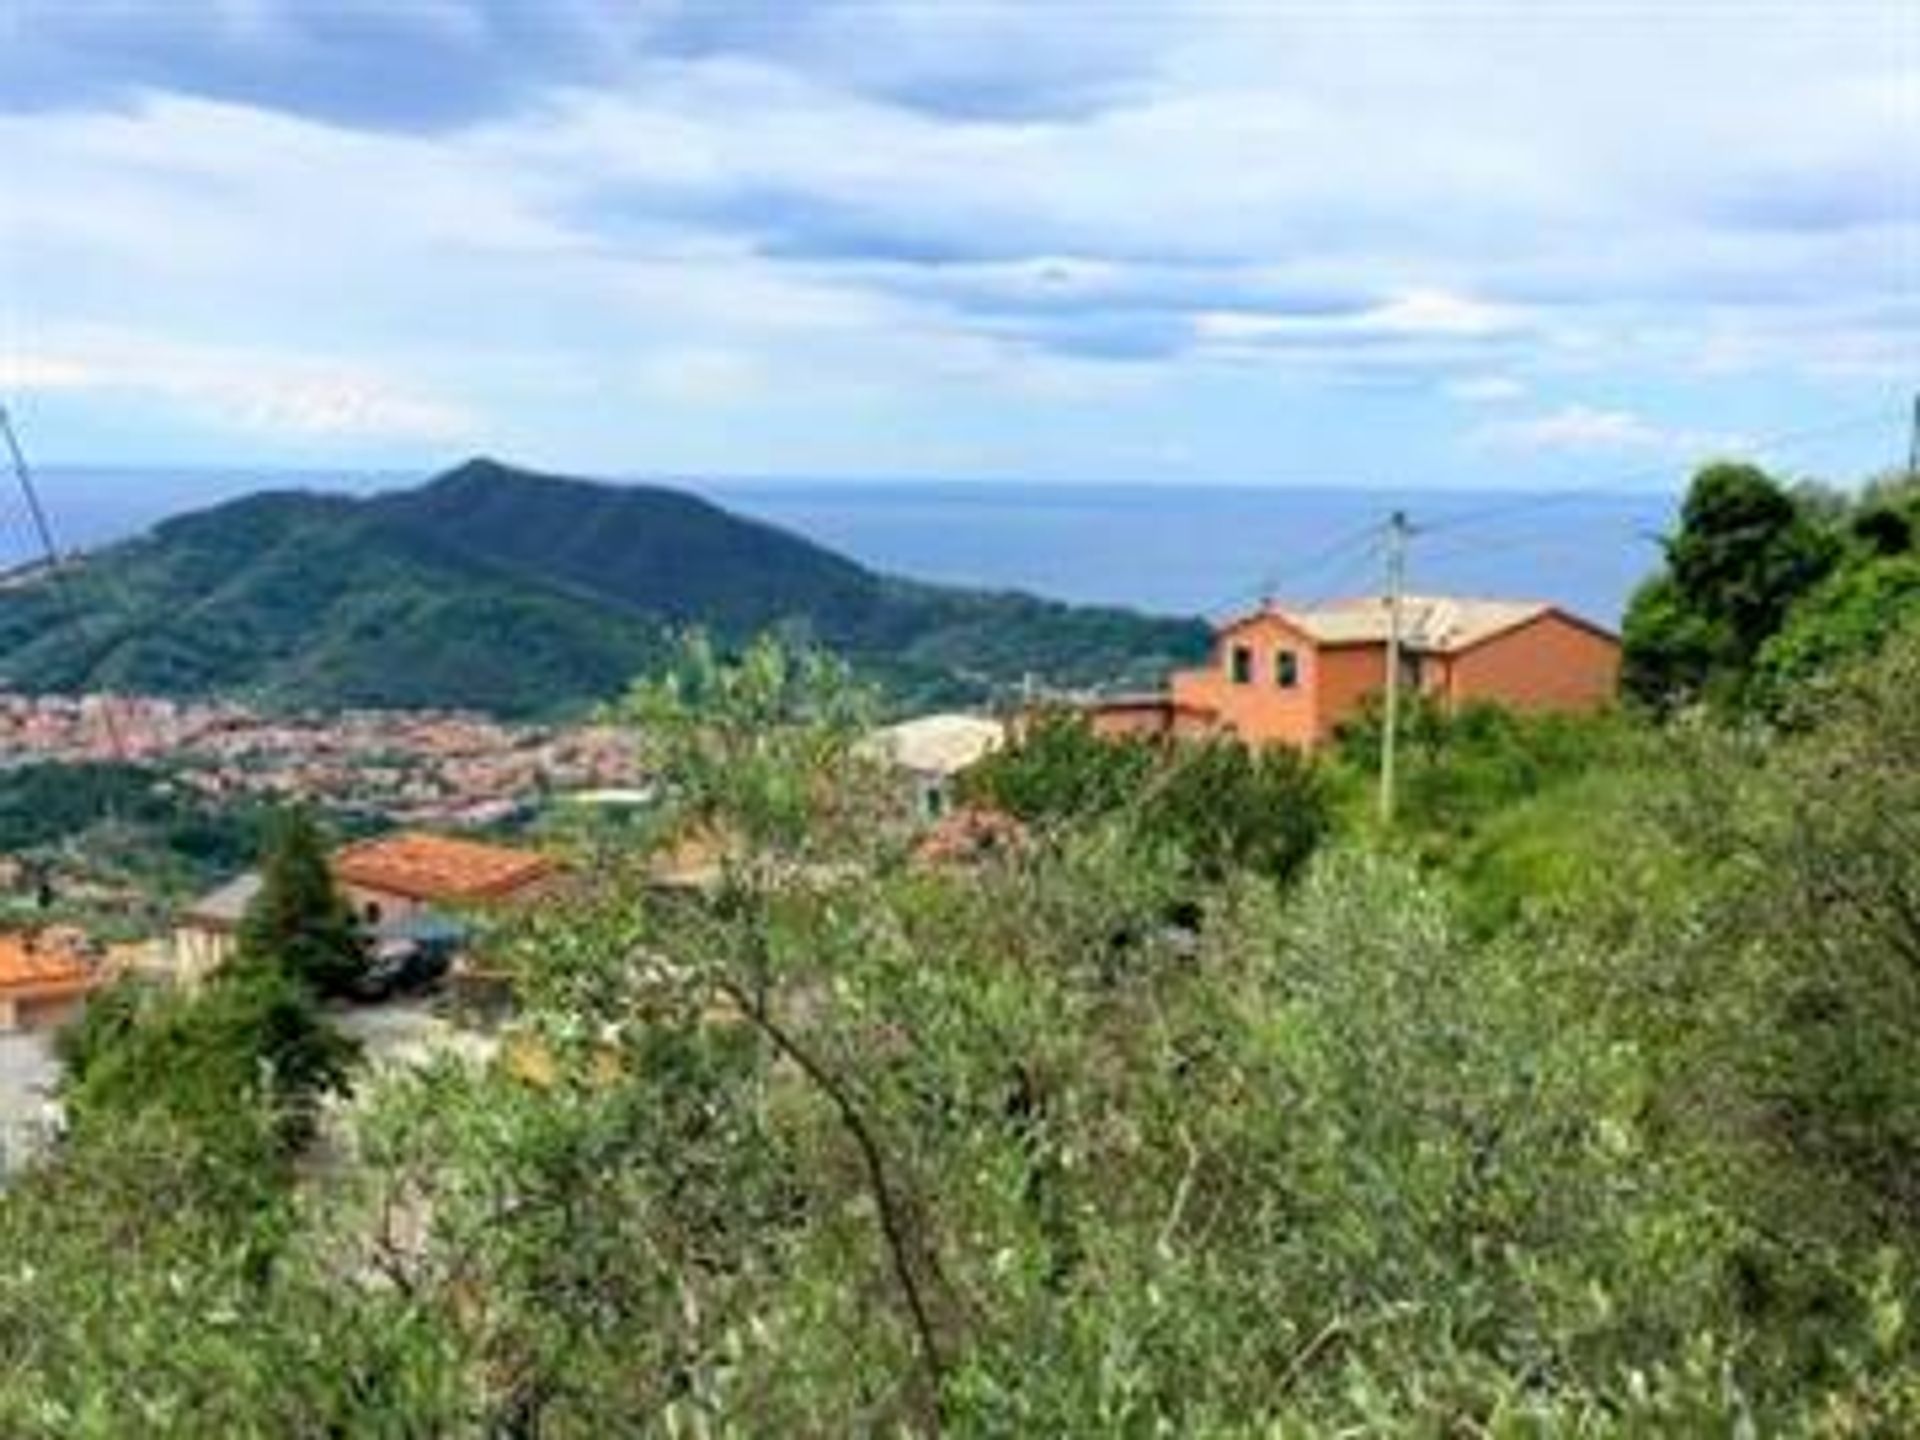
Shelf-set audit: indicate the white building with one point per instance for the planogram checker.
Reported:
(932, 749)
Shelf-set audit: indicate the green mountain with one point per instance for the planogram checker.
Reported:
(522, 594)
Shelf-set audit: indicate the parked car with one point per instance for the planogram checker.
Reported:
(401, 968)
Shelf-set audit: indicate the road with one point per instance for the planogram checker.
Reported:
(28, 1072)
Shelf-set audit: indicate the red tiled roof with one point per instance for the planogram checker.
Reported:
(436, 867)
(28, 968)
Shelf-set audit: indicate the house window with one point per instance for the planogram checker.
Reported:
(1286, 669)
(1240, 664)
(370, 912)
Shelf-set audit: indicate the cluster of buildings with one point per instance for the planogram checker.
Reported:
(1281, 675)
(447, 768)
(1277, 675)
(410, 890)
(1295, 676)
(415, 894)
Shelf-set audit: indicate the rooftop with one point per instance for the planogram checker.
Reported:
(437, 867)
(29, 965)
(1439, 623)
(940, 744)
(225, 907)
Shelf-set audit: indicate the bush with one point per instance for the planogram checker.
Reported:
(1228, 807)
(1223, 805)
(1846, 620)
(1058, 770)
(243, 1064)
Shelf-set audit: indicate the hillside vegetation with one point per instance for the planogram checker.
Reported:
(519, 593)
(1583, 1100)
(1766, 587)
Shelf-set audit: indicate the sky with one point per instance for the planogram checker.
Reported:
(1403, 244)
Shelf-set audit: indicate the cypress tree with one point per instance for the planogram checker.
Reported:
(298, 924)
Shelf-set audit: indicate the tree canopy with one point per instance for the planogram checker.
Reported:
(298, 924)
(1221, 805)
(1765, 586)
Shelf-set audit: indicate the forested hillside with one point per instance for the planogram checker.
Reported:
(303, 599)
(519, 594)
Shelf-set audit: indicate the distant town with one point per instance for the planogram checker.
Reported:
(416, 767)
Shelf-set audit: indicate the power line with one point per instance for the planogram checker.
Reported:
(1344, 581)
(57, 575)
(36, 512)
(1296, 574)
(1604, 492)
(1545, 538)
(18, 549)
(1607, 490)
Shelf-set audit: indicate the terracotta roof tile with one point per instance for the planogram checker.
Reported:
(28, 967)
(438, 867)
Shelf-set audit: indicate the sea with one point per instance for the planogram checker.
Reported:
(1177, 549)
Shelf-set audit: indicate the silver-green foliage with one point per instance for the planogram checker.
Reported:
(1077, 1141)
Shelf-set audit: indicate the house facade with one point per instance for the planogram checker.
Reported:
(1294, 676)
(207, 932)
(1151, 717)
(397, 878)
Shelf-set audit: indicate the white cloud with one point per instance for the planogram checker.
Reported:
(1416, 314)
(1437, 312)
(703, 377)
(247, 389)
(842, 246)
(1484, 389)
(1588, 429)
(29, 374)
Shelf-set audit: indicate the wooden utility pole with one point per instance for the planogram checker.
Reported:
(1397, 532)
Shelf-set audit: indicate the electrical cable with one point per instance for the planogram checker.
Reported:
(57, 576)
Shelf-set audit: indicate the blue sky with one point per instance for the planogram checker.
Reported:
(1394, 243)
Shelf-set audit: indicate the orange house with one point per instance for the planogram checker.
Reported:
(395, 881)
(1292, 677)
(45, 980)
(396, 877)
